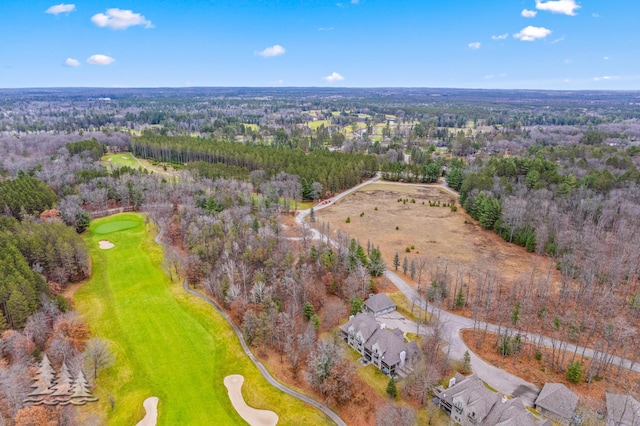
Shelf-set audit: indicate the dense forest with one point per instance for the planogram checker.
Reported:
(335, 171)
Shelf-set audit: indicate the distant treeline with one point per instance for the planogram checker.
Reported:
(336, 171)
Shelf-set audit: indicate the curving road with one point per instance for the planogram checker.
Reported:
(452, 323)
(263, 370)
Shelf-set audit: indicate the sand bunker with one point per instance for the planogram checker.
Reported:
(151, 407)
(250, 415)
(105, 245)
(110, 159)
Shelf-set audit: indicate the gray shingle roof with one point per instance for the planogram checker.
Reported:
(379, 302)
(487, 405)
(365, 323)
(623, 409)
(558, 399)
(389, 342)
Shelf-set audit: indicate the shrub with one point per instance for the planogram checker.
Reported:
(574, 372)
(538, 356)
(412, 247)
(361, 214)
(376, 209)
(408, 250)
(348, 220)
(397, 228)
(454, 208)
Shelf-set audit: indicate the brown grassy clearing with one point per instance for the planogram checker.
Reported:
(443, 236)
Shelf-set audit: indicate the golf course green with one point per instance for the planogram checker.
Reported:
(167, 343)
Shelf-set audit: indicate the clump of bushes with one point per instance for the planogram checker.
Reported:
(348, 220)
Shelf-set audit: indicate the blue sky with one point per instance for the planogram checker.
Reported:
(519, 44)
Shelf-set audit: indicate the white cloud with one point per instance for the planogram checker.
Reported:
(528, 13)
(500, 36)
(325, 29)
(567, 61)
(475, 45)
(565, 7)
(333, 77)
(70, 62)
(269, 52)
(532, 33)
(595, 15)
(606, 77)
(558, 40)
(492, 76)
(606, 58)
(355, 1)
(100, 60)
(118, 19)
(61, 8)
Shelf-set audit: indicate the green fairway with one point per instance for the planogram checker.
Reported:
(120, 225)
(167, 343)
(121, 159)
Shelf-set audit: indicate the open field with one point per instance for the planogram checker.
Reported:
(167, 343)
(442, 236)
(112, 161)
(253, 127)
(119, 160)
(313, 125)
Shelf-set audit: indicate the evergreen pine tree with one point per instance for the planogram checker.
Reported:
(460, 302)
(392, 390)
(4, 325)
(466, 363)
(308, 311)
(17, 309)
(574, 372)
(396, 261)
(412, 269)
(405, 265)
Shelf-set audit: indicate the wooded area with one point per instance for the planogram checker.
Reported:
(557, 175)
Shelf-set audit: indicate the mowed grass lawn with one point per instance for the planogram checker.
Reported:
(121, 159)
(167, 343)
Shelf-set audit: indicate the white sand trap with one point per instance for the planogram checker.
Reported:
(151, 407)
(105, 245)
(110, 159)
(250, 415)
